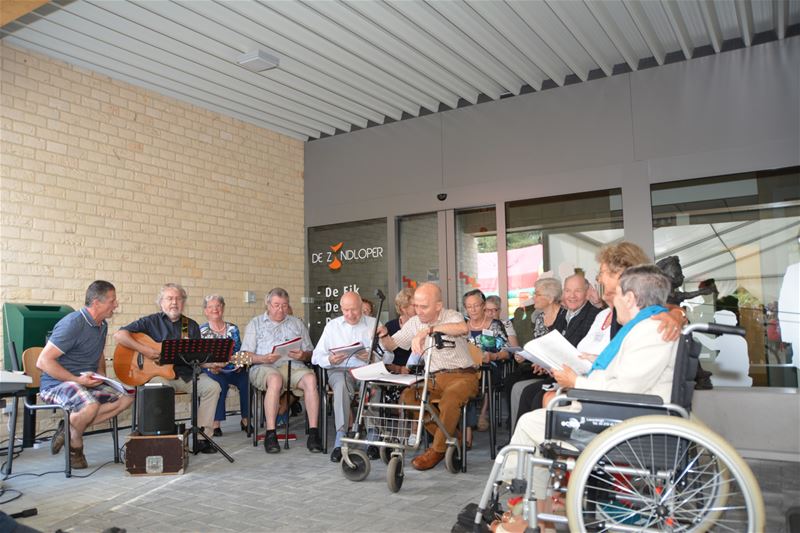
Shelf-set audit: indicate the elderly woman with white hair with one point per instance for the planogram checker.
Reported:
(225, 375)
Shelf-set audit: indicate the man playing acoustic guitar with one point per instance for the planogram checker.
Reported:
(170, 324)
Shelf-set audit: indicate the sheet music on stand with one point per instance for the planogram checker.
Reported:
(201, 350)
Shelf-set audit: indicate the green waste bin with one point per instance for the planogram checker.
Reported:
(29, 325)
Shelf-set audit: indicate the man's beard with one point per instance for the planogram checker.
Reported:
(173, 314)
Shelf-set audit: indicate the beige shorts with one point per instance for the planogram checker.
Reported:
(259, 373)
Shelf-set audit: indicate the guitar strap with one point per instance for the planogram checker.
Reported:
(184, 327)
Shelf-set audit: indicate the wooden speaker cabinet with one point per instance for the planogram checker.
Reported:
(153, 455)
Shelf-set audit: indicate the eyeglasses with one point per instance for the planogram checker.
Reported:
(473, 306)
(173, 298)
(279, 306)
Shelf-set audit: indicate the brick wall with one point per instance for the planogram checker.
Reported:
(101, 179)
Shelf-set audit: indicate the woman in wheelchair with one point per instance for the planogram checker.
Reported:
(613, 260)
(637, 360)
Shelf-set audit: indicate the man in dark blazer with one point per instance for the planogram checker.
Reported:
(580, 313)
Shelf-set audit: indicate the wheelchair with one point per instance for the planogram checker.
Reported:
(640, 464)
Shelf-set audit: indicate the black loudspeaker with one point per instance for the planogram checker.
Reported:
(155, 410)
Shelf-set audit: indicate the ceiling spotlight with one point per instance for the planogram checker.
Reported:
(257, 60)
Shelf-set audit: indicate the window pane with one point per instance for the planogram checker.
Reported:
(559, 234)
(737, 241)
(476, 251)
(418, 239)
(344, 257)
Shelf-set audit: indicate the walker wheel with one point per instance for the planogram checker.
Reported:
(360, 465)
(452, 459)
(386, 452)
(394, 473)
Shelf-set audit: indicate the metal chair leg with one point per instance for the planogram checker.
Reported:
(133, 410)
(492, 420)
(67, 445)
(256, 408)
(115, 437)
(322, 423)
(464, 437)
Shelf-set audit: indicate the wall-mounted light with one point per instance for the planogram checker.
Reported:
(257, 60)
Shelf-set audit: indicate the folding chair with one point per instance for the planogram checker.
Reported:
(29, 358)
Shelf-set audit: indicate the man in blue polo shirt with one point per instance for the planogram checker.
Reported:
(74, 351)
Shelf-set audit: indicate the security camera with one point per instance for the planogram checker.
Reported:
(442, 196)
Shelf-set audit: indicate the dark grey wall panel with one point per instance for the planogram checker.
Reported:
(732, 112)
(725, 101)
(379, 162)
(579, 126)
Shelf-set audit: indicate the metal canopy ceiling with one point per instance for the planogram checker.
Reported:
(350, 65)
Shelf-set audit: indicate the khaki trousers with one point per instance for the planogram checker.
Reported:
(452, 390)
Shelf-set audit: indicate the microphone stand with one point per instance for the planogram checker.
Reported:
(380, 296)
(374, 344)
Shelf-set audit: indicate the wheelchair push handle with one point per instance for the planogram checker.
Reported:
(714, 329)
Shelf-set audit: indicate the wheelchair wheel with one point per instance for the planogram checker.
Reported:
(394, 473)
(360, 469)
(452, 459)
(666, 474)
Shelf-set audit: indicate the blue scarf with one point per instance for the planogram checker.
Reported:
(610, 351)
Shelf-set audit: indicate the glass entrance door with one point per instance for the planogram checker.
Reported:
(455, 249)
(418, 244)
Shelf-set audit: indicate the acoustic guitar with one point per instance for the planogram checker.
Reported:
(134, 369)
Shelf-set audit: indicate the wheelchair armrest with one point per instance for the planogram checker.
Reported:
(714, 329)
(589, 395)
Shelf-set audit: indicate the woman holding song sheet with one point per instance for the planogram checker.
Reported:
(548, 316)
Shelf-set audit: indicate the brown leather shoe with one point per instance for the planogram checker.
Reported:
(76, 458)
(57, 442)
(427, 460)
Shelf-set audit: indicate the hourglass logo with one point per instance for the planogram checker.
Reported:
(336, 264)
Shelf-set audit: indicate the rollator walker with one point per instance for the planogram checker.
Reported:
(642, 465)
(396, 429)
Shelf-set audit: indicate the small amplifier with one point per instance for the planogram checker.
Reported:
(155, 410)
(156, 455)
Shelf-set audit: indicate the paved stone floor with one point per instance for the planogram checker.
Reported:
(291, 491)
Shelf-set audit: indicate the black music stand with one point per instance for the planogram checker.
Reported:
(195, 353)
